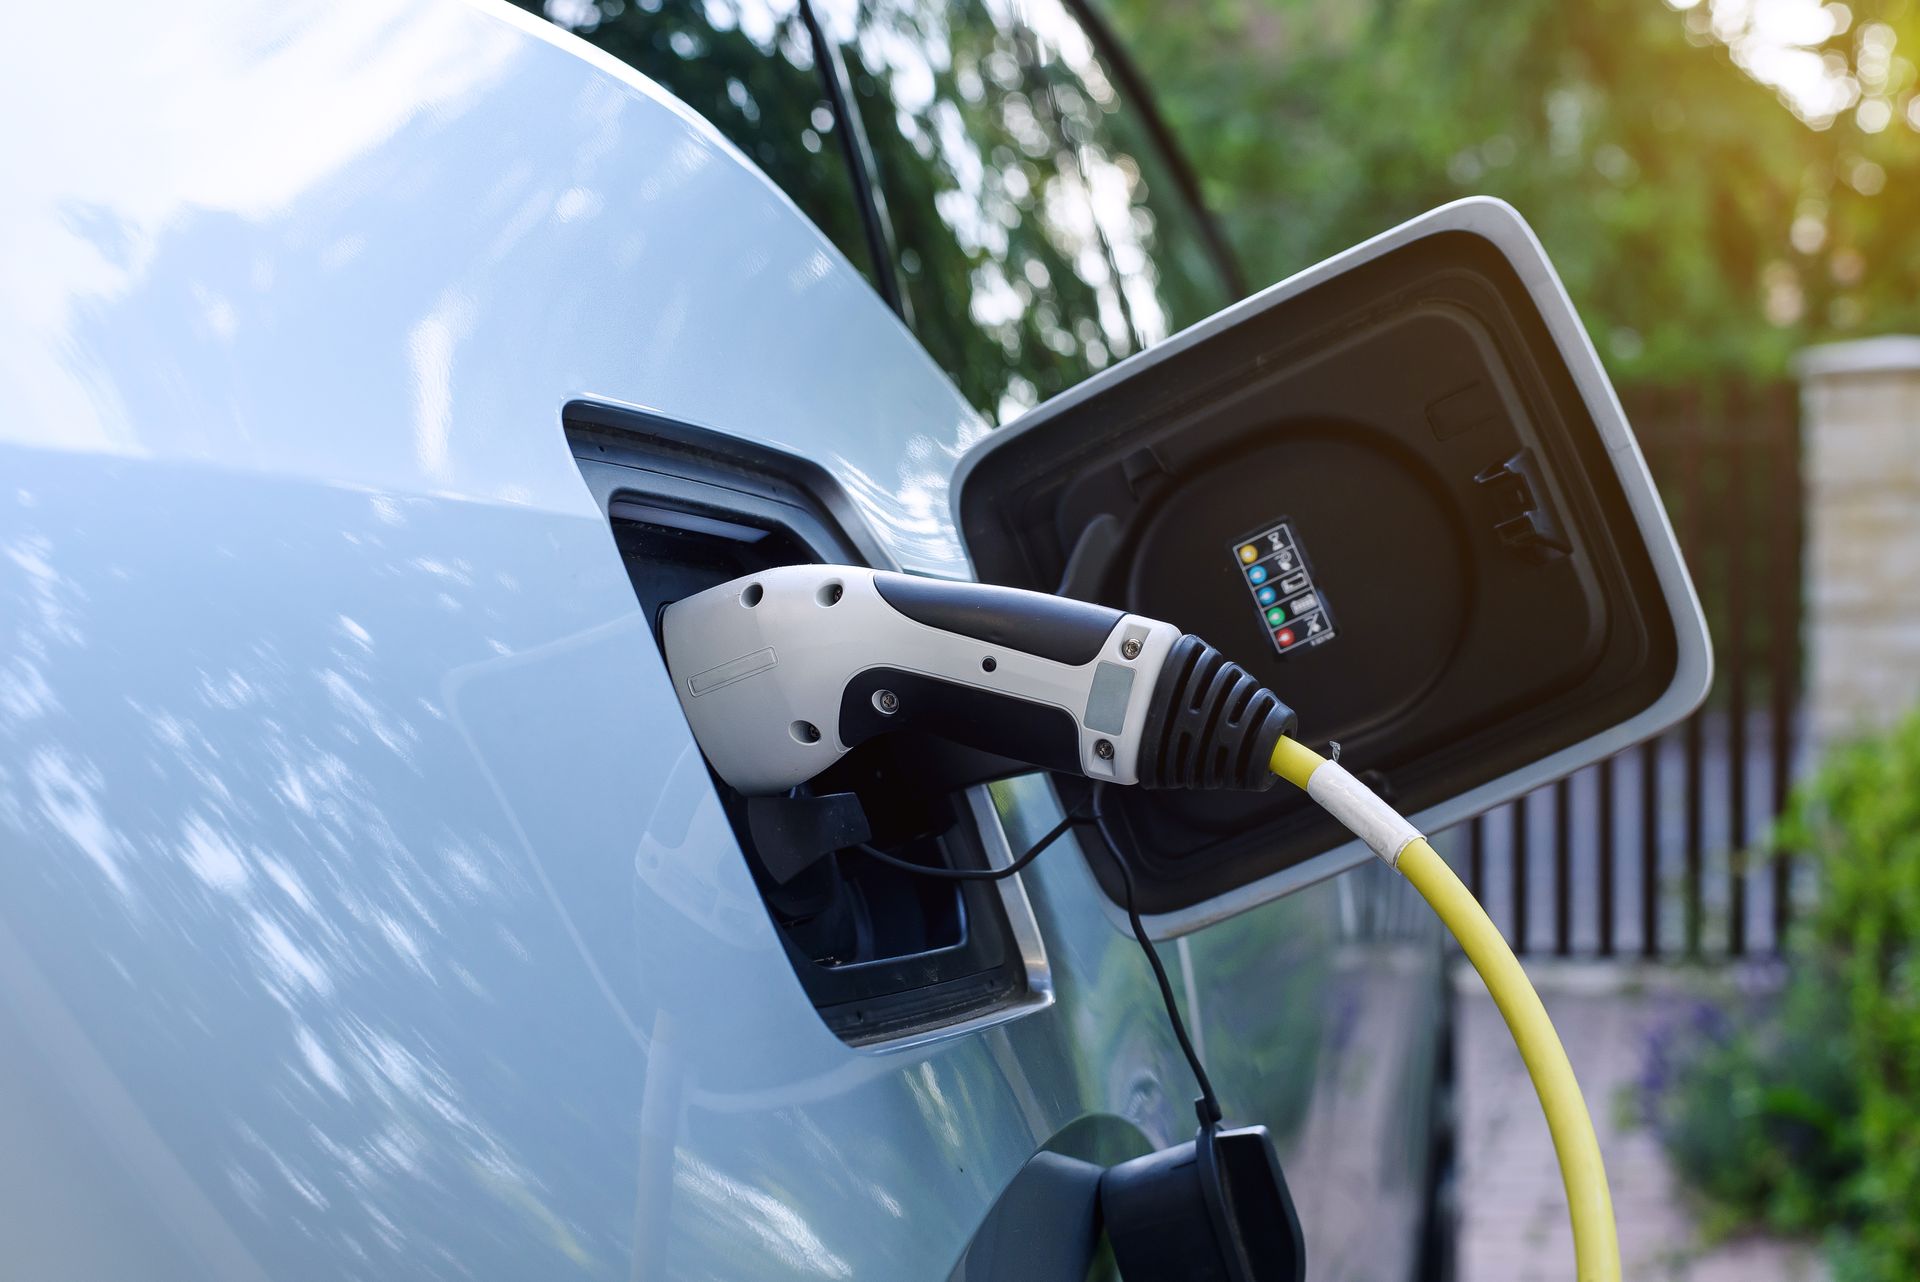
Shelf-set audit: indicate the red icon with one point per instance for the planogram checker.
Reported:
(1284, 636)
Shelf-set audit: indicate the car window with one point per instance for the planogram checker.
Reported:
(1039, 235)
(749, 69)
(1154, 230)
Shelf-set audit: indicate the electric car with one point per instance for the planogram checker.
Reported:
(377, 378)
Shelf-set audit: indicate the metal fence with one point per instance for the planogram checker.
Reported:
(1663, 850)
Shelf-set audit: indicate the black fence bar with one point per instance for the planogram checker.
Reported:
(1650, 849)
(1735, 439)
(1783, 636)
(1563, 867)
(1477, 857)
(1691, 500)
(1520, 864)
(1652, 419)
(1604, 835)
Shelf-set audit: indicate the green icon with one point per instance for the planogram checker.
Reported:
(1276, 617)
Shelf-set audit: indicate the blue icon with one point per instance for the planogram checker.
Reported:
(1266, 596)
(1258, 574)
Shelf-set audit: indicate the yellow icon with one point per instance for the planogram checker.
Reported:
(1249, 554)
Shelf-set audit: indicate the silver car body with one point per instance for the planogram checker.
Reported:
(365, 907)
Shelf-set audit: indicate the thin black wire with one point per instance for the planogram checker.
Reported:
(1054, 834)
(1208, 1105)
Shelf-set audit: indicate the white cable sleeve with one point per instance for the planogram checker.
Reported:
(1372, 820)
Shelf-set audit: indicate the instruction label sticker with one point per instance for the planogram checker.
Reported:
(1292, 609)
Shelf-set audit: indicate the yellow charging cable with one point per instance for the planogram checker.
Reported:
(1596, 1243)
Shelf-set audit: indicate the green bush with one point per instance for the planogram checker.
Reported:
(1757, 1110)
(1807, 1117)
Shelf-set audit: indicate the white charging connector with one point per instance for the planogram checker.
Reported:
(781, 673)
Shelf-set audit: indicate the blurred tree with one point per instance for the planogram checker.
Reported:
(1038, 237)
(1719, 183)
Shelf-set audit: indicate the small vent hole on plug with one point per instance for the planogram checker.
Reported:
(830, 593)
(987, 664)
(804, 732)
(751, 594)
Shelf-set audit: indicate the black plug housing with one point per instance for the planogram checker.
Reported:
(1215, 1209)
(1210, 724)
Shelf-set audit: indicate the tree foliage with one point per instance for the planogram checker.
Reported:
(1706, 223)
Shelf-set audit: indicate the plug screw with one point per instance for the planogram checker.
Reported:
(1103, 749)
(887, 701)
(1130, 648)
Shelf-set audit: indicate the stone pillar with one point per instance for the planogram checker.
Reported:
(1860, 413)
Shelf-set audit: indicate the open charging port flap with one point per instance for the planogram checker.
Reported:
(1397, 491)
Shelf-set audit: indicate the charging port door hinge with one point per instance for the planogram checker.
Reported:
(1522, 517)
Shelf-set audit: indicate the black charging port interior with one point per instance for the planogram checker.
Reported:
(1388, 499)
(881, 952)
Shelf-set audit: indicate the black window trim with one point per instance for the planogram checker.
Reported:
(858, 154)
(1134, 84)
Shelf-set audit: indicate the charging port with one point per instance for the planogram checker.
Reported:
(881, 952)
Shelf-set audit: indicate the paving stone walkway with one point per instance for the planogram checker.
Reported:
(1513, 1215)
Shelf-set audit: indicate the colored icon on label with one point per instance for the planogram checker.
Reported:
(1266, 596)
(1284, 636)
(1276, 617)
(1258, 574)
(1249, 554)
